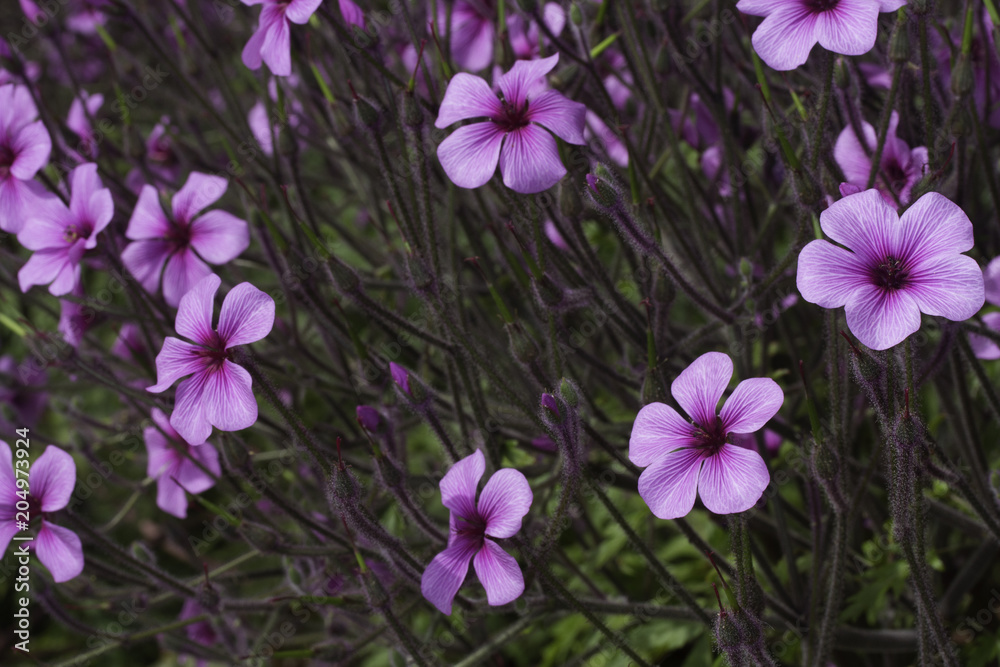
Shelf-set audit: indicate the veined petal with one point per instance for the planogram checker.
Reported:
(657, 431)
(670, 484)
(199, 192)
(850, 28)
(247, 316)
(784, 39)
(827, 275)
(699, 387)
(299, 11)
(947, 285)
(188, 418)
(60, 551)
(525, 78)
(882, 318)
(176, 359)
(53, 476)
(865, 224)
(219, 236)
(145, 260)
(499, 574)
(732, 480)
(228, 399)
(458, 486)
(469, 156)
(563, 117)
(445, 574)
(991, 277)
(752, 405)
(170, 497)
(467, 97)
(529, 160)
(194, 314)
(505, 500)
(277, 47)
(934, 224)
(148, 220)
(183, 272)
(251, 52)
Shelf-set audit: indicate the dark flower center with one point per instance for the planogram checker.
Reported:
(215, 352)
(6, 160)
(710, 438)
(473, 528)
(891, 274)
(512, 118)
(180, 234)
(74, 233)
(895, 174)
(822, 5)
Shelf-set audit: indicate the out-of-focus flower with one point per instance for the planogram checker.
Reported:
(983, 347)
(271, 43)
(184, 240)
(81, 111)
(169, 462)
(219, 392)
(893, 268)
(161, 159)
(899, 168)
(687, 459)
(21, 392)
(24, 149)
(505, 500)
(60, 235)
(791, 28)
(74, 320)
(512, 130)
(352, 13)
(53, 476)
(524, 33)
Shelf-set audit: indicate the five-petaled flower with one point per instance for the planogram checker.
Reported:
(24, 149)
(505, 500)
(685, 458)
(219, 392)
(791, 28)
(173, 463)
(185, 241)
(53, 476)
(894, 268)
(272, 41)
(60, 235)
(899, 168)
(511, 133)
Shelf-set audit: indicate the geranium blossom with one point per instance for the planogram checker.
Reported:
(271, 43)
(511, 131)
(169, 462)
(893, 268)
(60, 235)
(24, 149)
(684, 458)
(53, 476)
(983, 347)
(791, 28)
(505, 500)
(81, 111)
(185, 241)
(219, 392)
(899, 169)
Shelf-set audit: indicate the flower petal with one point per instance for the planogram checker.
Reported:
(8, 485)
(469, 156)
(148, 220)
(467, 97)
(53, 476)
(732, 480)
(849, 29)
(219, 236)
(991, 278)
(471, 36)
(194, 314)
(188, 418)
(499, 574)
(251, 52)
(8, 529)
(851, 155)
(934, 224)
(784, 39)
(881, 318)
(145, 260)
(670, 484)
(505, 500)
(948, 286)
(176, 359)
(458, 486)
(32, 146)
(228, 399)
(183, 272)
(752, 405)
(530, 160)
(277, 47)
(247, 316)
(445, 574)
(563, 117)
(982, 347)
(865, 224)
(199, 192)
(299, 11)
(525, 78)
(657, 431)
(60, 551)
(699, 386)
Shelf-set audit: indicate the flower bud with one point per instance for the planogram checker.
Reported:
(575, 15)
(602, 193)
(365, 114)
(569, 392)
(368, 417)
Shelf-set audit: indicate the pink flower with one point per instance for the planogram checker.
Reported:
(53, 476)
(524, 33)
(983, 347)
(511, 132)
(470, 34)
(78, 121)
(24, 149)
(892, 269)
(171, 462)
(60, 236)
(183, 241)
(685, 458)
(900, 165)
(272, 41)
(791, 28)
(73, 320)
(219, 392)
(400, 376)
(352, 13)
(505, 500)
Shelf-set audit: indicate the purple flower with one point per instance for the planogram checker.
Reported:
(21, 390)
(685, 458)
(900, 166)
(24, 149)
(219, 392)
(512, 130)
(524, 33)
(53, 476)
(983, 347)
(791, 28)
(352, 13)
(400, 376)
(471, 33)
(171, 462)
(892, 269)
(60, 236)
(73, 321)
(272, 41)
(185, 241)
(78, 121)
(368, 417)
(505, 500)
